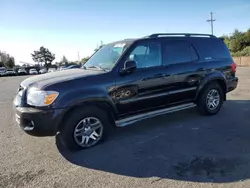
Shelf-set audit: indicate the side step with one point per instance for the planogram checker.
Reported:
(133, 119)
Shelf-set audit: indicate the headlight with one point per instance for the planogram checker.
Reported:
(36, 97)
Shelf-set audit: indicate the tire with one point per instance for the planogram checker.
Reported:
(206, 103)
(77, 120)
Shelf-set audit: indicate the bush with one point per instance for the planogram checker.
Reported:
(246, 51)
(237, 54)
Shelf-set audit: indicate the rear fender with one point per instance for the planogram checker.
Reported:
(215, 76)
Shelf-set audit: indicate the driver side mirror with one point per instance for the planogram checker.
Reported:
(129, 66)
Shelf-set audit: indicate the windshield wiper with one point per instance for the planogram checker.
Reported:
(97, 67)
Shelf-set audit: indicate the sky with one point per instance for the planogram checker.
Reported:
(69, 27)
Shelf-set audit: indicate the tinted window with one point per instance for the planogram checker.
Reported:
(178, 52)
(212, 48)
(146, 54)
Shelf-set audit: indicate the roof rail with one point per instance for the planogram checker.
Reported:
(179, 34)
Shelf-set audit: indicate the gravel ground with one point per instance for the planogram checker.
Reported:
(176, 150)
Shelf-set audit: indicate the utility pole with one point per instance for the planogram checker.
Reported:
(78, 57)
(212, 23)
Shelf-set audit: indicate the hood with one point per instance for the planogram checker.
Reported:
(55, 77)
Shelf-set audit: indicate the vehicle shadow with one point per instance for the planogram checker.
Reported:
(182, 146)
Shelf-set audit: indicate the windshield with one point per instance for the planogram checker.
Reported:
(106, 56)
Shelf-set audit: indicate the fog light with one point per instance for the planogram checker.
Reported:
(29, 127)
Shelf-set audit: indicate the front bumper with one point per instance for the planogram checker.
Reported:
(38, 122)
(232, 84)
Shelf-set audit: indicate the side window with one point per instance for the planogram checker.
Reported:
(212, 48)
(175, 52)
(146, 55)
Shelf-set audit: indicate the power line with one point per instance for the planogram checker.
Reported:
(212, 23)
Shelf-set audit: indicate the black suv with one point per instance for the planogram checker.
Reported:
(125, 82)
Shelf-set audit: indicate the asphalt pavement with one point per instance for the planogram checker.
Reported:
(183, 149)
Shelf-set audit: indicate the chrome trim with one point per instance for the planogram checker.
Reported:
(126, 121)
(156, 95)
(17, 118)
(27, 128)
(182, 90)
(30, 127)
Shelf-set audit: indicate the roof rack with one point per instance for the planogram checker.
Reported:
(180, 35)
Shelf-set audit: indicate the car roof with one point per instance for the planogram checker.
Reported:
(171, 36)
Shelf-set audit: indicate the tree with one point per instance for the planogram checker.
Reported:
(64, 61)
(6, 60)
(236, 34)
(84, 60)
(10, 63)
(246, 51)
(43, 55)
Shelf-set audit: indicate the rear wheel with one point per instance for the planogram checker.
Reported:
(84, 128)
(211, 99)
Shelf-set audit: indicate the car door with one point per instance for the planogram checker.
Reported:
(182, 61)
(143, 89)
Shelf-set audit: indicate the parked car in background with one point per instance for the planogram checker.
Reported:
(22, 72)
(2, 71)
(33, 71)
(72, 67)
(62, 68)
(52, 70)
(43, 71)
(10, 72)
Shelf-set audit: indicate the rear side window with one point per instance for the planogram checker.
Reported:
(211, 48)
(175, 52)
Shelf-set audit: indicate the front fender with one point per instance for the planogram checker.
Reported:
(78, 97)
(210, 77)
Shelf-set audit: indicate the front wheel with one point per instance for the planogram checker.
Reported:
(210, 100)
(84, 128)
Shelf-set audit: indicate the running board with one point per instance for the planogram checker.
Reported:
(133, 119)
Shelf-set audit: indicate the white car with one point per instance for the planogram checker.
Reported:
(52, 70)
(33, 71)
(43, 71)
(22, 72)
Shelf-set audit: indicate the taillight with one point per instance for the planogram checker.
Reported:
(234, 67)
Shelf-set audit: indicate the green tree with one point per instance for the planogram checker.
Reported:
(246, 51)
(43, 55)
(226, 39)
(236, 45)
(10, 63)
(236, 34)
(246, 38)
(84, 60)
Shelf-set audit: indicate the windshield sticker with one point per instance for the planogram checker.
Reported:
(120, 45)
